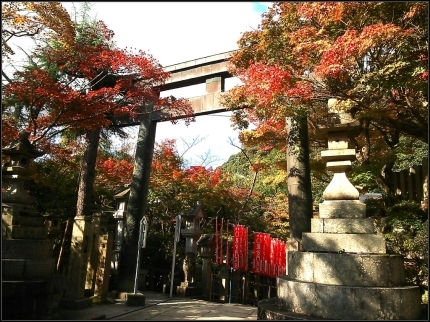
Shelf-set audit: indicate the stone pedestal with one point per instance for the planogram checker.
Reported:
(31, 289)
(341, 270)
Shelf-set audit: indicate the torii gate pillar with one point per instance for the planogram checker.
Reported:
(137, 202)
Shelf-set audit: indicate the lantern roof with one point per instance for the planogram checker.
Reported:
(22, 146)
(195, 212)
(122, 194)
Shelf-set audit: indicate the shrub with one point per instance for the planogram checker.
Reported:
(408, 235)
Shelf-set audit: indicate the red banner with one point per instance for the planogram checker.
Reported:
(256, 254)
(227, 259)
(245, 248)
(240, 248)
(268, 256)
(221, 258)
(216, 242)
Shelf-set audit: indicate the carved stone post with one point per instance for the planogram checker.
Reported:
(207, 243)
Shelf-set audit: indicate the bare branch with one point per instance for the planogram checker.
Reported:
(194, 141)
(254, 180)
(207, 158)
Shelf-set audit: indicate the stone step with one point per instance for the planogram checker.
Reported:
(342, 209)
(24, 248)
(377, 270)
(343, 226)
(349, 243)
(33, 221)
(349, 302)
(25, 269)
(24, 232)
(52, 285)
(268, 310)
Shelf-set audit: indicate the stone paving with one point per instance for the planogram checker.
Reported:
(160, 307)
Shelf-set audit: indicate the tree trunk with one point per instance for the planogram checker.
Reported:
(299, 178)
(87, 174)
(136, 206)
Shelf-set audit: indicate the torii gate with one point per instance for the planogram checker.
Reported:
(211, 70)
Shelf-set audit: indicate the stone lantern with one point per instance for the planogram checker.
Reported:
(15, 173)
(192, 232)
(343, 271)
(192, 228)
(30, 287)
(340, 195)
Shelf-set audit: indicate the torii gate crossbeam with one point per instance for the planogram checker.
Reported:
(211, 70)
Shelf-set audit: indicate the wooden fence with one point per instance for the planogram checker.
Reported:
(241, 287)
(412, 184)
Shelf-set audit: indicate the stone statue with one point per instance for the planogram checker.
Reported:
(189, 267)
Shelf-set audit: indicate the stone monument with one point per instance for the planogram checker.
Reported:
(342, 270)
(31, 289)
(192, 232)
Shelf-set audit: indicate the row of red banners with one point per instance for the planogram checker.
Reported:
(268, 257)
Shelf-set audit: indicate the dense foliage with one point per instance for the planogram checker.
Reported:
(371, 56)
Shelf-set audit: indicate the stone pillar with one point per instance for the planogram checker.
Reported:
(93, 253)
(299, 182)
(215, 85)
(207, 243)
(31, 289)
(224, 281)
(74, 296)
(236, 286)
(103, 268)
